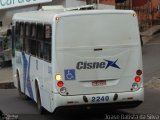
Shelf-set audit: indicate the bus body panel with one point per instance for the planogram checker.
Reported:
(65, 101)
(116, 79)
(98, 53)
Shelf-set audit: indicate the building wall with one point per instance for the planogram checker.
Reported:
(7, 17)
(155, 9)
(1, 17)
(7, 14)
(107, 2)
(148, 11)
(74, 3)
(102, 4)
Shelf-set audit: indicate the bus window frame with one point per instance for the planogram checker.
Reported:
(33, 39)
(40, 40)
(26, 39)
(48, 42)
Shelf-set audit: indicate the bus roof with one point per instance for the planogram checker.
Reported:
(47, 16)
(36, 16)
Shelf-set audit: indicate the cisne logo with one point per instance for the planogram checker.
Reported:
(97, 65)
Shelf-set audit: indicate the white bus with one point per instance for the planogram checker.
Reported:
(90, 58)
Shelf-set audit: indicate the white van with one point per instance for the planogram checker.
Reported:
(79, 58)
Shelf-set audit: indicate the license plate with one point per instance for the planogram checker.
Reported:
(99, 83)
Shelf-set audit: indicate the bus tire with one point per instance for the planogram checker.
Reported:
(19, 85)
(39, 105)
(21, 94)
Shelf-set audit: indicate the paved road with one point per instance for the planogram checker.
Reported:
(11, 103)
(151, 58)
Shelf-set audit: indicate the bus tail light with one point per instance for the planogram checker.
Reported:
(60, 83)
(137, 79)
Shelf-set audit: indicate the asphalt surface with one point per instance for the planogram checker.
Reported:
(151, 58)
(12, 104)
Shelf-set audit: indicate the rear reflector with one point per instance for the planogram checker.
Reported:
(63, 90)
(135, 86)
(137, 79)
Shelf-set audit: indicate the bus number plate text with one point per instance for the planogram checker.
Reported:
(100, 99)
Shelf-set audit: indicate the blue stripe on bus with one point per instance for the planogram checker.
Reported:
(29, 87)
(26, 75)
(25, 64)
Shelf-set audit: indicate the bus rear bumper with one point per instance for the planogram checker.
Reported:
(123, 100)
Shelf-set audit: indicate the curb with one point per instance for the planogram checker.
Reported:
(146, 39)
(7, 85)
(151, 31)
(149, 34)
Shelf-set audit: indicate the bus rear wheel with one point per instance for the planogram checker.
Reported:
(21, 94)
(19, 86)
(39, 105)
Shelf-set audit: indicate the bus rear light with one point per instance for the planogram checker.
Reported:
(58, 77)
(137, 79)
(139, 72)
(57, 18)
(60, 84)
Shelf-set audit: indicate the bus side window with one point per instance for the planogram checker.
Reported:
(33, 38)
(47, 43)
(21, 35)
(33, 31)
(13, 41)
(26, 38)
(40, 39)
(48, 33)
(17, 36)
